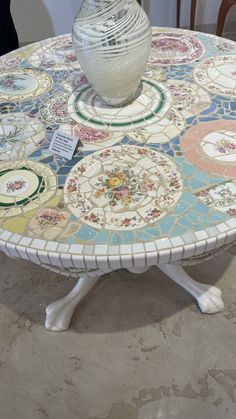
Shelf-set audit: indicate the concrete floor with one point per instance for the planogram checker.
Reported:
(138, 347)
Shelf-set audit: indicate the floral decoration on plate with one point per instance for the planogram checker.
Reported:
(175, 48)
(55, 54)
(220, 197)
(24, 185)
(218, 75)
(123, 188)
(54, 109)
(212, 147)
(48, 223)
(91, 138)
(189, 98)
(23, 84)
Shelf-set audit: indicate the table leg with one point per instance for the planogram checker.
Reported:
(178, 13)
(59, 313)
(192, 14)
(208, 297)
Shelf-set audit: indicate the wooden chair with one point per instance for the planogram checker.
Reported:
(192, 13)
(224, 9)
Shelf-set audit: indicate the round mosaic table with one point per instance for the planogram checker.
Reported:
(152, 183)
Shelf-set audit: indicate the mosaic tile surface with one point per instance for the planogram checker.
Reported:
(155, 177)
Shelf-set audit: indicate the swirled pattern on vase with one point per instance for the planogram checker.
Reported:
(112, 41)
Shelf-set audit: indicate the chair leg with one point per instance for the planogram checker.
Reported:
(224, 9)
(193, 14)
(178, 13)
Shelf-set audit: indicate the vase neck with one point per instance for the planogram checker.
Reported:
(104, 3)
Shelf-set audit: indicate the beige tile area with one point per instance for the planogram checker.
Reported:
(138, 347)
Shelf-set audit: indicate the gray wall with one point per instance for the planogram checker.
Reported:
(39, 19)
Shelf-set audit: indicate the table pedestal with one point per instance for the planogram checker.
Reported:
(59, 313)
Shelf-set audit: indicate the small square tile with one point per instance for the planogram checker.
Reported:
(76, 248)
(231, 236)
(15, 238)
(188, 238)
(177, 241)
(211, 244)
(211, 231)
(114, 250)
(150, 247)
(88, 250)
(115, 262)
(43, 257)
(126, 261)
(222, 227)
(3, 248)
(38, 244)
(5, 235)
(66, 260)
(231, 223)
(54, 259)
(125, 249)
(152, 259)
(63, 247)
(51, 246)
(12, 250)
(90, 262)
(101, 249)
(164, 257)
(200, 247)
(201, 235)
(221, 239)
(102, 263)
(138, 248)
(176, 254)
(32, 254)
(25, 241)
(78, 262)
(139, 260)
(163, 243)
(189, 250)
(22, 252)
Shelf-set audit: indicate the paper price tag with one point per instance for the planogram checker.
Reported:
(63, 145)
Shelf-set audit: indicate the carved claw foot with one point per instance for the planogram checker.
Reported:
(208, 297)
(59, 313)
(210, 301)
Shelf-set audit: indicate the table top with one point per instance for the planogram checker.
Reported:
(156, 178)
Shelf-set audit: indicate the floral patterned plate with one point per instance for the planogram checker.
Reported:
(24, 185)
(23, 84)
(212, 147)
(218, 75)
(175, 48)
(123, 188)
(18, 185)
(57, 55)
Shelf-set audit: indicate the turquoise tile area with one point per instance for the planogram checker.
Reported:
(189, 215)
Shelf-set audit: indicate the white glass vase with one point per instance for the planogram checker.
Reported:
(112, 42)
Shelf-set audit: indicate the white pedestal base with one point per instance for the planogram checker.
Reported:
(208, 297)
(59, 313)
